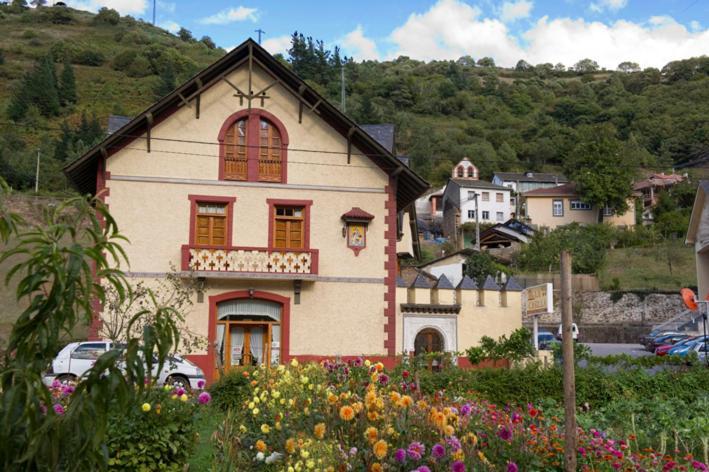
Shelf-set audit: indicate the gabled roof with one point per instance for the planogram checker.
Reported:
(658, 180)
(116, 122)
(422, 281)
(470, 183)
(383, 134)
(467, 284)
(82, 172)
(356, 213)
(465, 252)
(539, 177)
(400, 282)
(444, 283)
(566, 190)
(490, 284)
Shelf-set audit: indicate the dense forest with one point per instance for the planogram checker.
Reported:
(66, 76)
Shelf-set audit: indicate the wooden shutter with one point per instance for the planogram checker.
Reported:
(270, 151)
(235, 143)
(210, 224)
(289, 228)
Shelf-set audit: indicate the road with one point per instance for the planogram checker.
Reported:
(635, 350)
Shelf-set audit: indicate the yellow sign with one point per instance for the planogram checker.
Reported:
(539, 299)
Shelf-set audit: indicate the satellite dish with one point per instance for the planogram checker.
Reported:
(689, 299)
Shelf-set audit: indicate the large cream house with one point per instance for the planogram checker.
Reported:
(289, 214)
(698, 236)
(562, 205)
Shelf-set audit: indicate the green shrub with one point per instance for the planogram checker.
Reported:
(515, 348)
(123, 60)
(89, 57)
(140, 67)
(230, 390)
(107, 16)
(159, 439)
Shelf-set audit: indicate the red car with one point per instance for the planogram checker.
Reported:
(669, 343)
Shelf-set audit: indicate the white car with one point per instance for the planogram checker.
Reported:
(77, 358)
(574, 332)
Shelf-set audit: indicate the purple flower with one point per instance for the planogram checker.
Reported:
(458, 466)
(200, 384)
(699, 466)
(67, 390)
(56, 383)
(400, 455)
(179, 391)
(416, 450)
(353, 451)
(204, 398)
(423, 468)
(465, 409)
(505, 434)
(58, 409)
(512, 467)
(383, 379)
(438, 451)
(453, 442)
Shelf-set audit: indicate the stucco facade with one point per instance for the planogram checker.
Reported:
(698, 237)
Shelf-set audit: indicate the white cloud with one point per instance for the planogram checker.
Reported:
(231, 15)
(512, 11)
(451, 29)
(612, 5)
(169, 25)
(695, 25)
(279, 44)
(124, 7)
(357, 45)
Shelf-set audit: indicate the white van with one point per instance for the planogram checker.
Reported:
(574, 332)
(77, 358)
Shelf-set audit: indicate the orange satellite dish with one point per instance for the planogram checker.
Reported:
(689, 299)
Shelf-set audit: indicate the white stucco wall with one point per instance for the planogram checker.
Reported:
(492, 206)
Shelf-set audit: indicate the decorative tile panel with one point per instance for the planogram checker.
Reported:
(255, 260)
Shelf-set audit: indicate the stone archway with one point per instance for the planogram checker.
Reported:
(428, 340)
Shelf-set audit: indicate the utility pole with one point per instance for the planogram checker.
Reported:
(36, 176)
(342, 91)
(567, 346)
(260, 32)
(154, 5)
(477, 222)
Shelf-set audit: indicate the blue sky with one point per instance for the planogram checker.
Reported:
(650, 32)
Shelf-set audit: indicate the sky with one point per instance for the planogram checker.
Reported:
(649, 32)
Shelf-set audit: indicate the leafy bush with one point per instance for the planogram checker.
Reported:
(139, 67)
(156, 432)
(108, 16)
(515, 348)
(89, 57)
(123, 60)
(230, 390)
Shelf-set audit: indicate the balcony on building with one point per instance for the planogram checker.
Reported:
(250, 262)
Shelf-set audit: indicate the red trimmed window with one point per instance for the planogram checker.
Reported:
(289, 224)
(211, 220)
(253, 147)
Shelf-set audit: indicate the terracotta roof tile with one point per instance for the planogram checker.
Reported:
(356, 213)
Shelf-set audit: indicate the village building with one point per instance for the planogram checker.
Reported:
(291, 218)
(469, 199)
(429, 209)
(521, 182)
(558, 206)
(698, 236)
(650, 188)
(503, 240)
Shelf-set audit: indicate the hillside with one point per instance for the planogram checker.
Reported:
(531, 117)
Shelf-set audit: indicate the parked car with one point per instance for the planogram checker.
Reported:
(574, 332)
(77, 358)
(664, 349)
(668, 339)
(683, 348)
(654, 334)
(545, 339)
(702, 350)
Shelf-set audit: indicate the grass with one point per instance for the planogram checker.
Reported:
(206, 425)
(666, 267)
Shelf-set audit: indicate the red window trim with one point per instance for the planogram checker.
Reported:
(254, 115)
(194, 200)
(273, 203)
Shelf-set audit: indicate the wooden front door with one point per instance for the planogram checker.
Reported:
(246, 344)
(428, 340)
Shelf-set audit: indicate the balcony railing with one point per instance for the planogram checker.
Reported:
(254, 260)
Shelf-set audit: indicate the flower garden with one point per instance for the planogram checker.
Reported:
(357, 416)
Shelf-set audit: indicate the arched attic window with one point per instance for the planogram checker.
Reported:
(460, 171)
(253, 146)
(471, 172)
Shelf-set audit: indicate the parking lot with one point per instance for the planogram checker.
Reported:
(602, 349)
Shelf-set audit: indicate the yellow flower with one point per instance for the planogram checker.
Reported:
(458, 455)
(367, 363)
(304, 454)
(294, 362)
(242, 428)
(255, 411)
(374, 377)
(275, 394)
(310, 464)
(265, 429)
(319, 430)
(449, 431)
(372, 415)
(278, 425)
(371, 434)
(376, 467)
(261, 446)
(394, 397)
(380, 449)
(482, 457)
(357, 406)
(406, 401)
(251, 405)
(347, 413)
(290, 445)
(473, 439)
(146, 407)
(379, 366)
(304, 380)
(184, 397)
(332, 398)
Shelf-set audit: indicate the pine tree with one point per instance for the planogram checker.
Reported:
(43, 88)
(167, 81)
(63, 144)
(67, 85)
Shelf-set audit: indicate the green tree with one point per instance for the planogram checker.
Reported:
(37, 88)
(67, 85)
(585, 66)
(486, 62)
(56, 263)
(207, 41)
(108, 16)
(185, 35)
(603, 175)
(166, 84)
(628, 66)
(481, 264)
